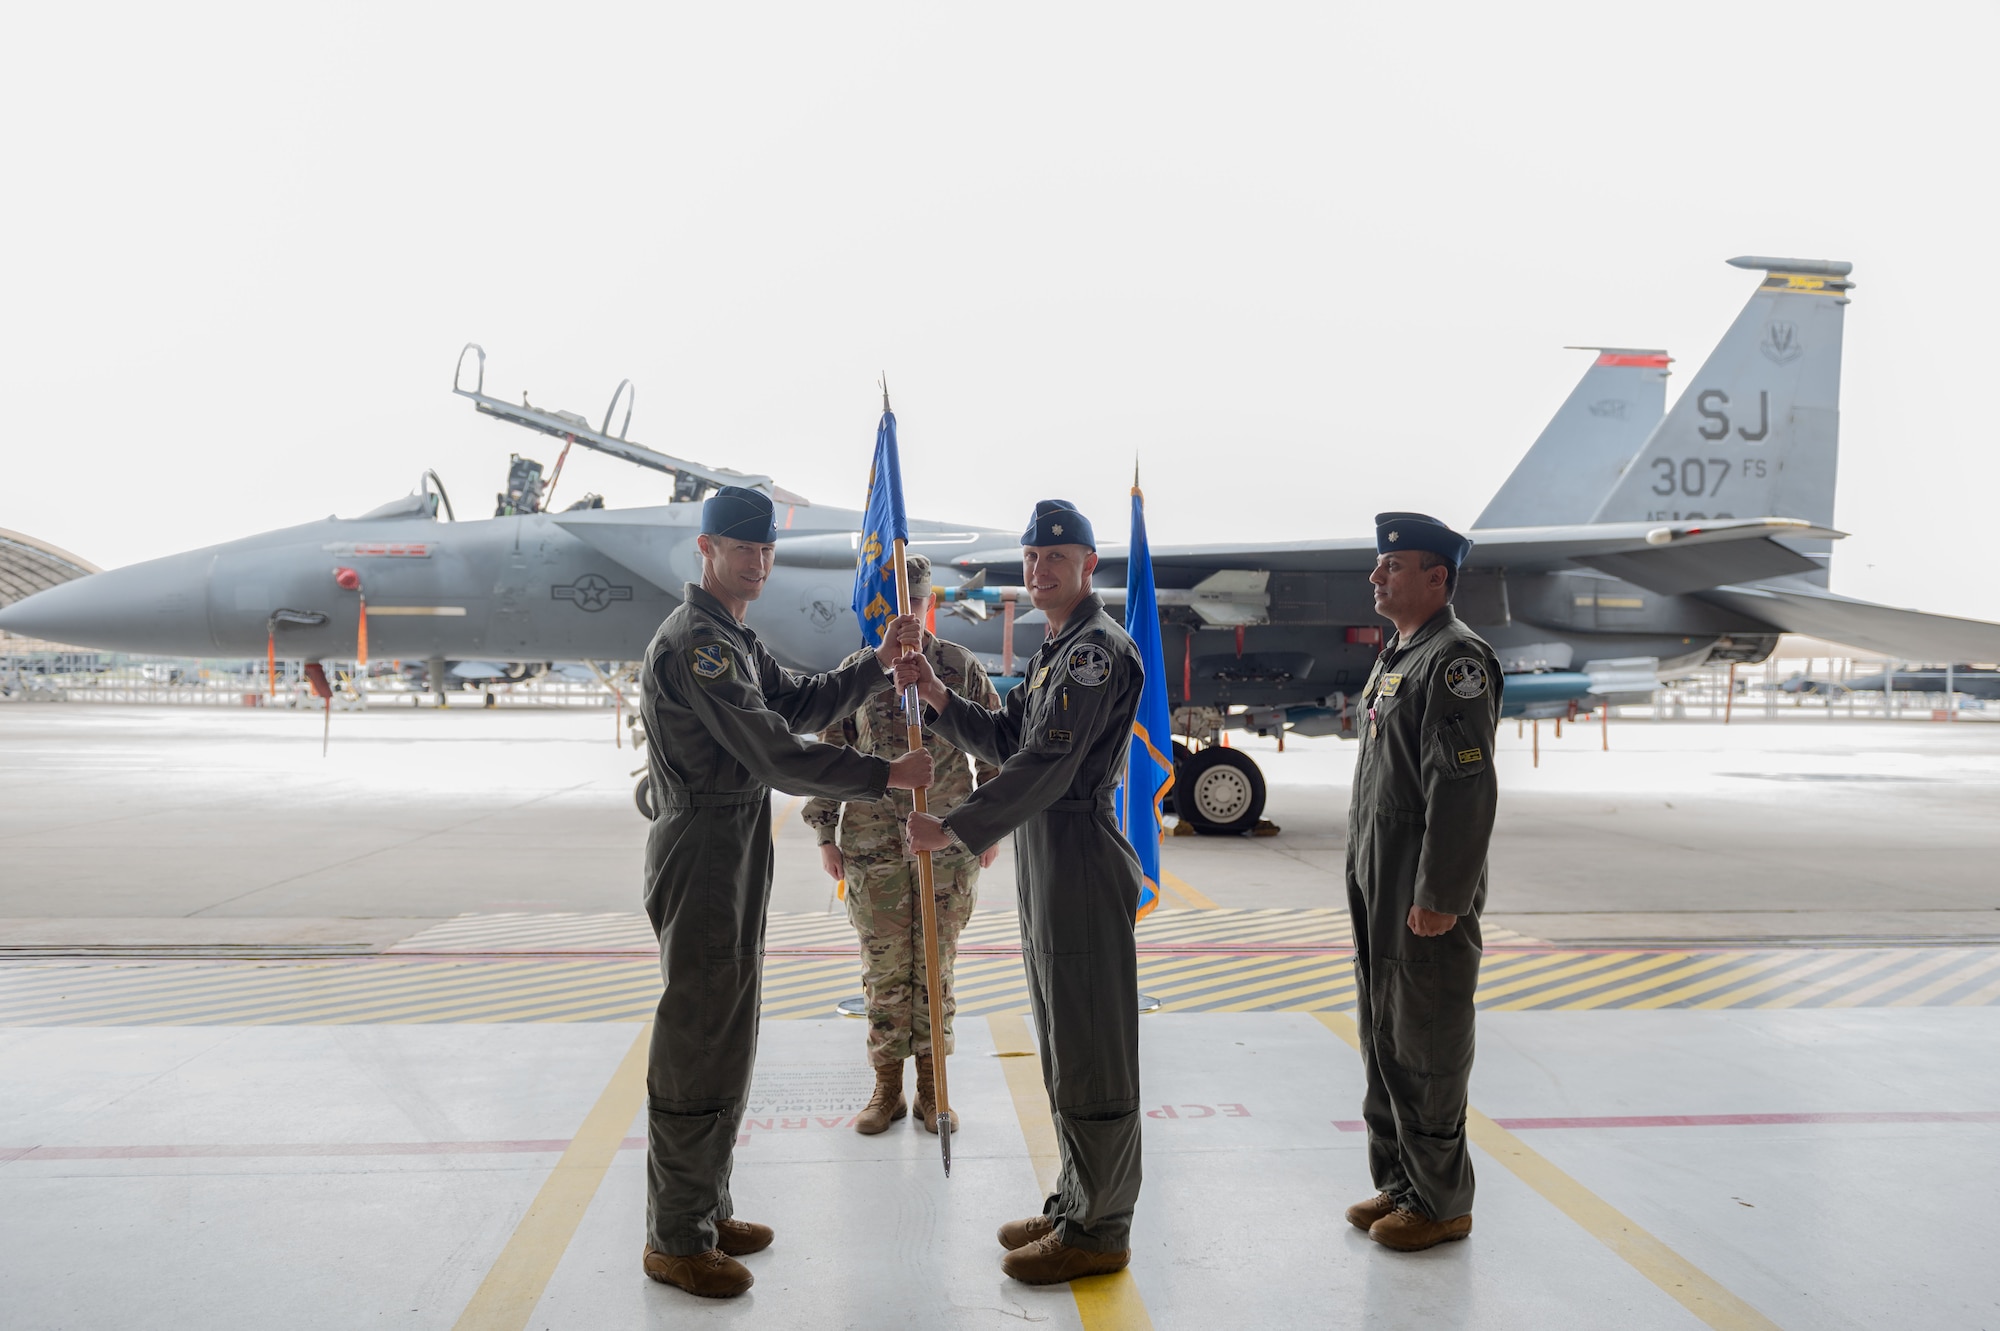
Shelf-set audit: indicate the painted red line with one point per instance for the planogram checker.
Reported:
(1725, 1120)
(1751, 1120)
(1641, 362)
(549, 1146)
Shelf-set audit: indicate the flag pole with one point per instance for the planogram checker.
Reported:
(926, 892)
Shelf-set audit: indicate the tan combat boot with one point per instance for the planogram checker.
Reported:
(1049, 1261)
(927, 1096)
(886, 1105)
(1412, 1231)
(712, 1275)
(740, 1238)
(1363, 1215)
(1020, 1233)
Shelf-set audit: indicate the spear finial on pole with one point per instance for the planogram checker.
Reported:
(885, 391)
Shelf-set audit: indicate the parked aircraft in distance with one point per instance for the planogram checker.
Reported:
(1709, 541)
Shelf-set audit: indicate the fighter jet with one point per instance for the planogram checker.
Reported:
(1661, 575)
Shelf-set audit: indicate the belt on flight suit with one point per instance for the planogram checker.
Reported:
(1101, 800)
(710, 799)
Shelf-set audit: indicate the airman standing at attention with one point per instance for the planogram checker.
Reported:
(1417, 832)
(1061, 739)
(881, 874)
(719, 716)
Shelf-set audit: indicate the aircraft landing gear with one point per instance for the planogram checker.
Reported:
(1218, 791)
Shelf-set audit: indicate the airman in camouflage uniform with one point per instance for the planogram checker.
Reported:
(881, 875)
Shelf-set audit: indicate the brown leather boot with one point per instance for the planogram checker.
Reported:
(740, 1238)
(1363, 1215)
(1412, 1231)
(712, 1275)
(886, 1105)
(927, 1096)
(1050, 1261)
(1020, 1233)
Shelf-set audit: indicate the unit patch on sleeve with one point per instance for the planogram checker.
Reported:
(1465, 677)
(1089, 665)
(710, 661)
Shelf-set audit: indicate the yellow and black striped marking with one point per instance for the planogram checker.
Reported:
(592, 968)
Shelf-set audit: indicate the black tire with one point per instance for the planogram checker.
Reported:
(642, 795)
(1221, 792)
(1181, 755)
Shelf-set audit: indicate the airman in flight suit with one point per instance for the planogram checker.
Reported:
(1061, 740)
(720, 717)
(1417, 832)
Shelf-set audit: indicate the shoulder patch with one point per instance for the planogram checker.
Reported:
(1089, 664)
(1466, 677)
(710, 661)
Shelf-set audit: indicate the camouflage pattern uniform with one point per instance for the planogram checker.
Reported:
(882, 878)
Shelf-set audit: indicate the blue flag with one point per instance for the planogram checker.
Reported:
(883, 523)
(1149, 768)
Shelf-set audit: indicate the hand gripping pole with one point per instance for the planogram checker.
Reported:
(913, 711)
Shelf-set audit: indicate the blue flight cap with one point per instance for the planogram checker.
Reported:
(1056, 522)
(1419, 531)
(740, 514)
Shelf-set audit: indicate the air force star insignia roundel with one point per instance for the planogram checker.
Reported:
(1090, 665)
(1465, 677)
(710, 661)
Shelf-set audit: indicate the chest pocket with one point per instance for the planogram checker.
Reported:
(1049, 729)
(1454, 751)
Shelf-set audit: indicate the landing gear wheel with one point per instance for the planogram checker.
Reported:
(1221, 792)
(642, 795)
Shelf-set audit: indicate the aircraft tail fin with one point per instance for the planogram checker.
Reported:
(1756, 433)
(1578, 457)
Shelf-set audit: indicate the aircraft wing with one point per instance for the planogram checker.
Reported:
(1668, 558)
(1906, 635)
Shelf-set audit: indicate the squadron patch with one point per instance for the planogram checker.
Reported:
(710, 661)
(1090, 665)
(1465, 677)
(1390, 683)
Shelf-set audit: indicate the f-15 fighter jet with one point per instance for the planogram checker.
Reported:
(1709, 540)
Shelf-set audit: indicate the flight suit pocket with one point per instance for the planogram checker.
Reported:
(1405, 1010)
(1455, 752)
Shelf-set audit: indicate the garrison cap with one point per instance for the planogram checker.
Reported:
(1056, 522)
(740, 514)
(1419, 531)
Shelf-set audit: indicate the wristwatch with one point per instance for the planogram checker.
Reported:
(954, 836)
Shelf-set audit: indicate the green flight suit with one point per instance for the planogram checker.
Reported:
(720, 716)
(1417, 832)
(1061, 739)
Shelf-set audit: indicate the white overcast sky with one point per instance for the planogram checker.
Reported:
(1307, 261)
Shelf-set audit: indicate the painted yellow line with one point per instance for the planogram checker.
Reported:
(1681, 1280)
(1980, 998)
(1653, 981)
(1642, 966)
(1175, 884)
(1105, 1303)
(506, 1298)
(1790, 973)
(1706, 984)
(1976, 965)
(1846, 975)
(783, 818)
(1859, 996)
(1586, 966)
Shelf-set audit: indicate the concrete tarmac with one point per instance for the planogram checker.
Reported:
(193, 827)
(326, 1042)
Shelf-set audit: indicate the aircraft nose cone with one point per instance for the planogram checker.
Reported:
(160, 606)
